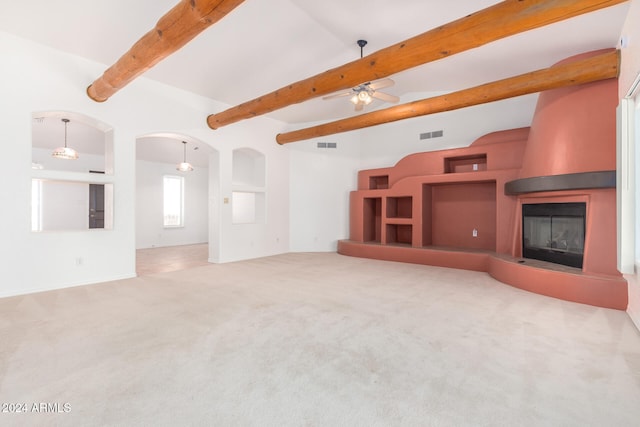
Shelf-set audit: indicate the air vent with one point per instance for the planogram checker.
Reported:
(433, 134)
(327, 145)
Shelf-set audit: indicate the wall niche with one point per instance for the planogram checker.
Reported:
(248, 181)
(71, 193)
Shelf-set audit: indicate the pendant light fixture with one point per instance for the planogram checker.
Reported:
(65, 152)
(184, 166)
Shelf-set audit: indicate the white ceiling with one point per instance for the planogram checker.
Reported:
(263, 45)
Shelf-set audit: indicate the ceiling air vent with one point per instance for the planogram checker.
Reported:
(327, 145)
(434, 134)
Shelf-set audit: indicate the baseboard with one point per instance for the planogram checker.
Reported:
(633, 309)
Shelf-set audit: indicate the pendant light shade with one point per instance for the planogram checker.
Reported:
(65, 152)
(184, 166)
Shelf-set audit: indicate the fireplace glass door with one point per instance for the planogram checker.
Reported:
(554, 232)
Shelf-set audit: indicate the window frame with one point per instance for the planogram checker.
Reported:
(181, 215)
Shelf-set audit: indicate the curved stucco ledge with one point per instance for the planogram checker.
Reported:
(575, 286)
(565, 283)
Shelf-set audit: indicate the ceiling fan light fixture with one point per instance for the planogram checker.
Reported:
(184, 166)
(364, 96)
(65, 152)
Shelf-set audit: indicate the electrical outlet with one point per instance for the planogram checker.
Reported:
(79, 262)
(474, 233)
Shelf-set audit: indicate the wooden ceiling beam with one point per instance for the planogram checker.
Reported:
(594, 68)
(176, 28)
(501, 20)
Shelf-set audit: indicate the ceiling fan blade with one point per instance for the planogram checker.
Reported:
(385, 97)
(379, 84)
(338, 95)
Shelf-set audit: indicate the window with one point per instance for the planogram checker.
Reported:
(173, 188)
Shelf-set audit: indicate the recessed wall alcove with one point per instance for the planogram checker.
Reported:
(71, 194)
(462, 208)
(248, 198)
(453, 211)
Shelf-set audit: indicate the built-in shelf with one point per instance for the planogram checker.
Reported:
(399, 233)
(372, 219)
(380, 182)
(469, 163)
(399, 207)
(463, 207)
(399, 221)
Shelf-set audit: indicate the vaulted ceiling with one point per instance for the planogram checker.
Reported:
(264, 45)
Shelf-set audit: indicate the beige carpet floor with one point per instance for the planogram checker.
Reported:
(171, 258)
(315, 340)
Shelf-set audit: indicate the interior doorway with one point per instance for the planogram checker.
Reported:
(96, 206)
(163, 245)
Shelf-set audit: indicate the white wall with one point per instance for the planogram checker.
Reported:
(629, 69)
(150, 231)
(37, 78)
(321, 179)
(244, 241)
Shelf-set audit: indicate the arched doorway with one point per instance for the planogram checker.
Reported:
(173, 207)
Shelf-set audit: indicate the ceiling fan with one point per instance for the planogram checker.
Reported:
(364, 93)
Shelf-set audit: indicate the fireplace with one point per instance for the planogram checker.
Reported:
(554, 232)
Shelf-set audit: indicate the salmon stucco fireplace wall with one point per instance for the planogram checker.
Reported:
(462, 208)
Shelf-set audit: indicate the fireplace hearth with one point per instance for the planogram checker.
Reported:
(554, 232)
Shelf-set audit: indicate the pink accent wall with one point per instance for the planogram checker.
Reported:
(573, 130)
(425, 208)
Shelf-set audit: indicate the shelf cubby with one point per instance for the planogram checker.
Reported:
(469, 163)
(372, 219)
(379, 182)
(400, 207)
(399, 234)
